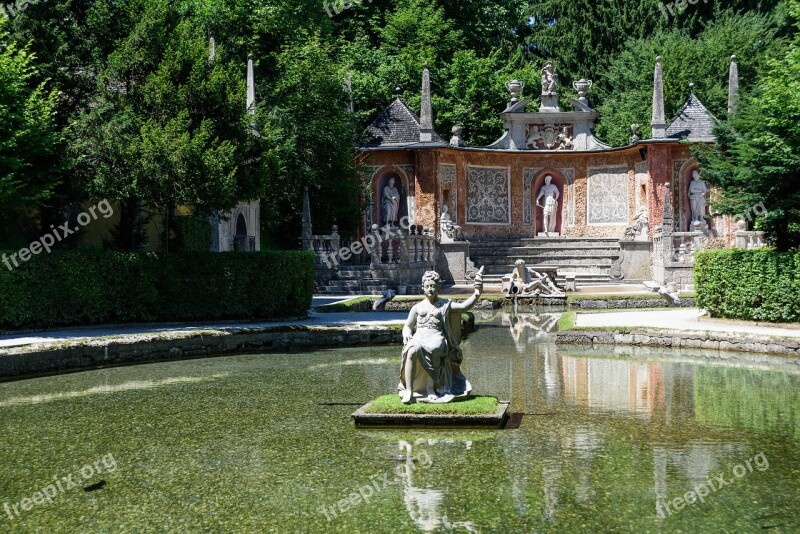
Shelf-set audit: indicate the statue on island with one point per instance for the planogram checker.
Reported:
(391, 203)
(431, 368)
(551, 194)
(697, 197)
(549, 79)
(525, 282)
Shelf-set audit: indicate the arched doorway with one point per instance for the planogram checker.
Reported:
(241, 241)
(560, 184)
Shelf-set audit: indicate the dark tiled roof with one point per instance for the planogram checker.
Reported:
(395, 126)
(694, 122)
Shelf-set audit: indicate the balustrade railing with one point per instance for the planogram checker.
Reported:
(750, 240)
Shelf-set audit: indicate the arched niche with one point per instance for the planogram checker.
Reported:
(379, 182)
(560, 181)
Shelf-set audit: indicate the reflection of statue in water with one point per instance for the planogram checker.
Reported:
(550, 207)
(525, 282)
(425, 505)
(431, 368)
(391, 203)
(697, 197)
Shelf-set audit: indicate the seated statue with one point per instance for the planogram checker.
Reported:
(450, 231)
(431, 367)
(639, 226)
(525, 282)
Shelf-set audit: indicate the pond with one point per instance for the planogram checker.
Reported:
(611, 439)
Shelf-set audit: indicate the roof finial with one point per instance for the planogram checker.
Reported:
(658, 121)
(426, 111)
(733, 86)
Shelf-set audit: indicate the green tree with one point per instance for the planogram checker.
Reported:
(28, 133)
(168, 125)
(757, 155)
(703, 60)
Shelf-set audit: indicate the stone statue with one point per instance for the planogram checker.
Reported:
(450, 231)
(525, 282)
(639, 227)
(697, 197)
(431, 368)
(534, 136)
(564, 139)
(551, 194)
(549, 80)
(391, 203)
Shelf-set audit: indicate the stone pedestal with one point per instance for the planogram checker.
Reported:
(452, 262)
(634, 261)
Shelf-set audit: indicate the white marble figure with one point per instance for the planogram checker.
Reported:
(525, 282)
(450, 231)
(549, 79)
(697, 197)
(639, 228)
(551, 194)
(431, 368)
(391, 203)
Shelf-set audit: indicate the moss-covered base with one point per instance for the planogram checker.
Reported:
(472, 405)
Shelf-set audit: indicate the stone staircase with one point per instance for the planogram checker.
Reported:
(589, 258)
(354, 280)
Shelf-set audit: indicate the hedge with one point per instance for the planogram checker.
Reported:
(754, 285)
(71, 288)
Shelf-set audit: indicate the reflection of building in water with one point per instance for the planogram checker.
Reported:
(614, 385)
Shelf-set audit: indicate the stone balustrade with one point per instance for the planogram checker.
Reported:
(323, 245)
(750, 240)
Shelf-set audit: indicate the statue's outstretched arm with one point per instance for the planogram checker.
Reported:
(470, 302)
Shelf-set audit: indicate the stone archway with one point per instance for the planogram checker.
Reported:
(560, 182)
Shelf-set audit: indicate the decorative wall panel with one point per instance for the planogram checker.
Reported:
(488, 195)
(607, 197)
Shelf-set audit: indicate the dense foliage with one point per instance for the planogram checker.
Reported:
(106, 287)
(149, 119)
(754, 285)
(757, 155)
(28, 133)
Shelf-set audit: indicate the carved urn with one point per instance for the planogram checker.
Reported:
(515, 87)
(582, 86)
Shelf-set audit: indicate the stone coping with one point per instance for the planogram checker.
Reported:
(97, 352)
(496, 420)
(699, 339)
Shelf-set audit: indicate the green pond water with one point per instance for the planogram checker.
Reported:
(611, 441)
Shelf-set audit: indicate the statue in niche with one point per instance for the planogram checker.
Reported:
(549, 80)
(697, 197)
(431, 366)
(550, 193)
(391, 203)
